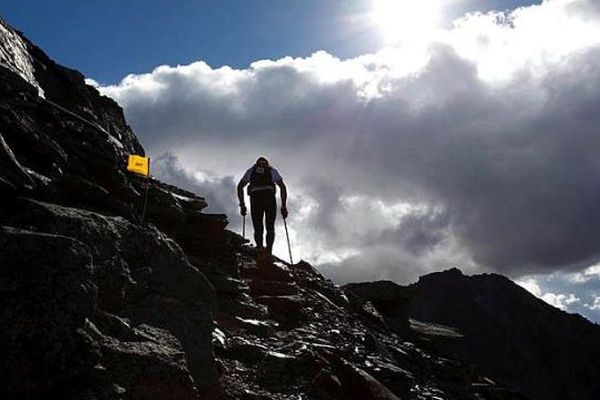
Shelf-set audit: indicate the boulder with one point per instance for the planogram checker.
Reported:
(152, 366)
(326, 385)
(358, 384)
(48, 289)
(389, 299)
(142, 275)
(284, 306)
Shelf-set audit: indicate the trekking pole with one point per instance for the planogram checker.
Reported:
(243, 236)
(145, 200)
(244, 227)
(288, 241)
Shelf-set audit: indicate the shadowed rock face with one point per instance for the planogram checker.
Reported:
(45, 304)
(513, 336)
(95, 304)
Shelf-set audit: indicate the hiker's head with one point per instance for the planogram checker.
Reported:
(262, 162)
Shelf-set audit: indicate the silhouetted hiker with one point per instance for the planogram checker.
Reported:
(262, 179)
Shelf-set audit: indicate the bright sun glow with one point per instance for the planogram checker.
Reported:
(406, 20)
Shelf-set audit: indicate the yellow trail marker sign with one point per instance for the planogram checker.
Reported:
(139, 165)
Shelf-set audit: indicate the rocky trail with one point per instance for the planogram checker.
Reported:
(293, 334)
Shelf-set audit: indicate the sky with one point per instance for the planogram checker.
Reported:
(412, 136)
(109, 39)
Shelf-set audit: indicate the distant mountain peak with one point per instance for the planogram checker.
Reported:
(445, 275)
(512, 335)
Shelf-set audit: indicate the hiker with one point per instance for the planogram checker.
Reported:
(262, 179)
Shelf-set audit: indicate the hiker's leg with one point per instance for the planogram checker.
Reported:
(270, 214)
(257, 211)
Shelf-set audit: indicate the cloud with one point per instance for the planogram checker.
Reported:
(217, 190)
(478, 149)
(367, 238)
(531, 285)
(587, 275)
(595, 306)
(562, 291)
(92, 82)
(560, 300)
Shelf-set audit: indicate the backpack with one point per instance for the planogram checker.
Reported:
(260, 181)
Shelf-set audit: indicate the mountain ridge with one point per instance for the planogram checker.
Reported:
(557, 353)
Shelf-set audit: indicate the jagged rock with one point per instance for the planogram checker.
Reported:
(149, 255)
(242, 349)
(268, 272)
(435, 331)
(163, 209)
(260, 287)
(13, 173)
(252, 395)
(154, 366)
(228, 285)
(67, 88)
(360, 385)
(227, 322)
(236, 324)
(202, 234)
(51, 148)
(326, 385)
(7, 189)
(257, 327)
(192, 327)
(389, 299)
(399, 380)
(141, 275)
(222, 279)
(242, 305)
(191, 202)
(288, 306)
(312, 271)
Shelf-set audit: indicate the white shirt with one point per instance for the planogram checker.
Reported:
(275, 177)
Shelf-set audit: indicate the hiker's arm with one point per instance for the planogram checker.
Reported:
(283, 192)
(240, 194)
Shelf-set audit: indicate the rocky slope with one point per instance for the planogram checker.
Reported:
(97, 305)
(513, 336)
(508, 333)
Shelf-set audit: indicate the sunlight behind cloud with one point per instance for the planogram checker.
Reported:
(534, 39)
(406, 20)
